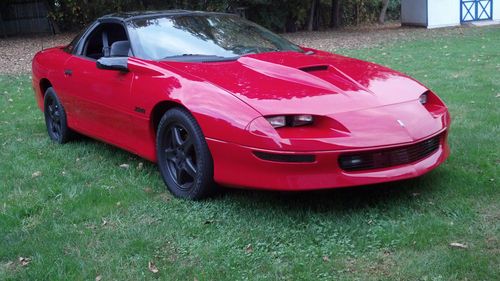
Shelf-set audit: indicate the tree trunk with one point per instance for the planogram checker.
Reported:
(311, 15)
(381, 18)
(335, 15)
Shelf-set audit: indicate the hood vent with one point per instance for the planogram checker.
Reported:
(314, 68)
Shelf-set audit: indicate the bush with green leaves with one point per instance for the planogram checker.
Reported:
(281, 16)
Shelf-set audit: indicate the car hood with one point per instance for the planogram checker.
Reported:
(367, 99)
(292, 82)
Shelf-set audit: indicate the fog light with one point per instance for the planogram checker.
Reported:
(355, 160)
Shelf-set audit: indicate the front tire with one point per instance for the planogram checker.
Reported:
(184, 160)
(55, 118)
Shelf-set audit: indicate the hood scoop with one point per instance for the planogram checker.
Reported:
(287, 73)
(314, 68)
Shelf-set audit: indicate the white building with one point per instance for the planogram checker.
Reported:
(441, 13)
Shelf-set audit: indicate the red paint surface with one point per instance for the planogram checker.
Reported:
(356, 104)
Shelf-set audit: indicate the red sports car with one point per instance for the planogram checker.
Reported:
(213, 98)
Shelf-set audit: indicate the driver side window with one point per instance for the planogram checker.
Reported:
(104, 38)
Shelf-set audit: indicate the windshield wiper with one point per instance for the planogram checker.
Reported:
(199, 57)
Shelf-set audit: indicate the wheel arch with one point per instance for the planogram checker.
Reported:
(44, 85)
(159, 110)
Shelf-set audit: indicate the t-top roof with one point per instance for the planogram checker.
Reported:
(127, 16)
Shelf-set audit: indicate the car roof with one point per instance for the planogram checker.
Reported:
(128, 16)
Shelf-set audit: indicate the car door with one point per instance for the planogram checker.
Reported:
(98, 100)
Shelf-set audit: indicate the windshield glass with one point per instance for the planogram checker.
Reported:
(203, 37)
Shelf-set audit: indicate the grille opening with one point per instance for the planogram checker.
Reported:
(287, 158)
(314, 68)
(389, 157)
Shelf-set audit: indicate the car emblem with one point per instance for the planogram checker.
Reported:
(401, 123)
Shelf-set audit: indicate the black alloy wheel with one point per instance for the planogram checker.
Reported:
(55, 118)
(184, 160)
(180, 156)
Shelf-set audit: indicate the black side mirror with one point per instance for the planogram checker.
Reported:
(113, 63)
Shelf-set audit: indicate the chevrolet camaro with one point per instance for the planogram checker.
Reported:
(214, 100)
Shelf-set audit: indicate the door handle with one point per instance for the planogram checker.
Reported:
(68, 72)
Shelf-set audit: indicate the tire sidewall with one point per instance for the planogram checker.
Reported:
(64, 134)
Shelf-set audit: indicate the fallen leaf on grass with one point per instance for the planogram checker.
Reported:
(98, 278)
(165, 197)
(326, 258)
(140, 166)
(124, 166)
(208, 222)
(152, 267)
(148, 190)
(458, 245)
(24, 261)
(249, 249)
(36, 174)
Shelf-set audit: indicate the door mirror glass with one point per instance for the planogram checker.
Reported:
(113, 63)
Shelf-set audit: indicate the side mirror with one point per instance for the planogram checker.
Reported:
(113, 63)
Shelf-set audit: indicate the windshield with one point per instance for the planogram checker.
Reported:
(203, 37)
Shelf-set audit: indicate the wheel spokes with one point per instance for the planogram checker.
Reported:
(56, 115)
(180, 156)
(170, 153)
(178, 175)
(54, 118)
(190, 168)
(176, 136)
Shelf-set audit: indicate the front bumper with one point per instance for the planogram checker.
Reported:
(238, 166)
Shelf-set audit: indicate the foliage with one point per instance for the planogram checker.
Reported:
(73, 214)
(283, 15)
(362, 11)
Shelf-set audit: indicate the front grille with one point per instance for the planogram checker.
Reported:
(384, 158)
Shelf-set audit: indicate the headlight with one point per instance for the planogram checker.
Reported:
(300, 120)
(277, 121)
(423, 98)
(290, 120)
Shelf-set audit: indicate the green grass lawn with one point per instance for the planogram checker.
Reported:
(77, 215)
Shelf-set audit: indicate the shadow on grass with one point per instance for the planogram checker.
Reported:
(351, 199)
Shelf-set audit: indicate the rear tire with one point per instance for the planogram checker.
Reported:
(184, 160)
(55, 118)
